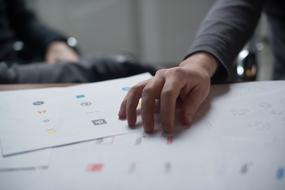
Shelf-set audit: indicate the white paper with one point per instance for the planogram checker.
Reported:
(87, 166)
(218, 152)
(253, 167)
(37, 119)
(29, 161)
(257, 119)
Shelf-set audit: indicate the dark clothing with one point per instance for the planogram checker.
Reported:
(19, 23)
(91, 70)
(231, 23)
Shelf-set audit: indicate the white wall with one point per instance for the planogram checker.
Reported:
(168, 27)
(100, 25)
(157, 31)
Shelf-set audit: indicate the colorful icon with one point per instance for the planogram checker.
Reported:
(126, 88)
(42, 111)
(280, 173)
(105, 140)
(167, 167)
(46, 120)
(138, 141)
(169, 140)
(80, 96)
(85, 104)
(132, 167)
(245, 168)
(97, 167)
(38, 103)
(51, 131)
(99, 122)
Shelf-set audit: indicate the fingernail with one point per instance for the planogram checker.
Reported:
(120, 117)
(187, 120)
(131, 125)
(148, 131)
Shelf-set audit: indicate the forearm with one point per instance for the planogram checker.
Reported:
(226, 29)
(63, 72)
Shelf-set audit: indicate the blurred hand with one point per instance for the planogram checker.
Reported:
(59, 51)
(186, 85)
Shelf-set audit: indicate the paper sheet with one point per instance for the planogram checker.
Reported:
(37, 119)
(230, 146)
(257, 119)
(87, 166)
(29, 161)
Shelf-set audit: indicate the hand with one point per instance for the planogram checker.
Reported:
(187, 84)
(59, 51)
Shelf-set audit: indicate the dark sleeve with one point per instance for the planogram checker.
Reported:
(28, 28)
(225, 30)
(46, 73)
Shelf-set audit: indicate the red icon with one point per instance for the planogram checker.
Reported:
(169, 140)
(97, 167)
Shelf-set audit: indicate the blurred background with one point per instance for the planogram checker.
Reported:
(154, 31)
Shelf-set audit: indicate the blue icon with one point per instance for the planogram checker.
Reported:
(80, 96)
(38, 103)
(46, 120)
(126, 88)
(280, 173)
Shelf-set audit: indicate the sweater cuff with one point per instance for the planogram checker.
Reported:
(222, 73)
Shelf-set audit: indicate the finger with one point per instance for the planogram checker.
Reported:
(122, 112)
(191, 104)
(133, 98)
(127, 108)
(169, 95)
(150, 93)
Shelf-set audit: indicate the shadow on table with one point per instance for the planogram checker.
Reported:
(217, 91)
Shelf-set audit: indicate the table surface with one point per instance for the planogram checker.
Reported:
(32, 86)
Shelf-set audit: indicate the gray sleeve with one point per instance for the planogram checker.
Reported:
(225, 30)
(45, 73)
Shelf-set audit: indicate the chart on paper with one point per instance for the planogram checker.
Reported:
(36, 119)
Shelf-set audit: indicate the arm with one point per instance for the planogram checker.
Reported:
(227, 27)
(46, 73)
(225, 30)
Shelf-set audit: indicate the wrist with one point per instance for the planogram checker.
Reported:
(202, 60)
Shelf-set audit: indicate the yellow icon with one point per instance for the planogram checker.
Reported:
(51, 131)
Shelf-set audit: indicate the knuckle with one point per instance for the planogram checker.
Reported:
(206, 78)
(134, 89)
(177, 71)
(160, 72)
(147, 91)
(168, 93)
